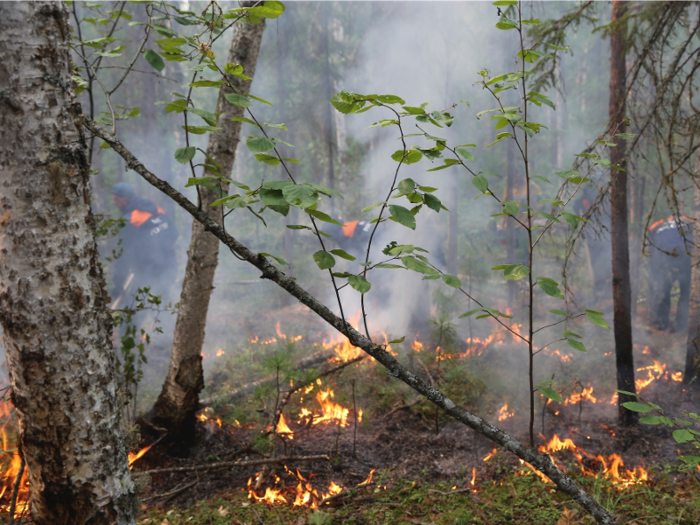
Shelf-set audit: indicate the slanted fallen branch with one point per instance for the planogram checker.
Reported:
(235, 464)
(394, 369)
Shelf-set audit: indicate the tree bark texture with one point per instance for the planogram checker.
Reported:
(53, 311)
(178, 401)
(692, 356)
(268, 271)
(619, 236)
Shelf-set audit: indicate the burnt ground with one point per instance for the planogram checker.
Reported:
(406, 446)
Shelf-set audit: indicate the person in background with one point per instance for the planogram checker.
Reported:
(669, 262)
(148, 247)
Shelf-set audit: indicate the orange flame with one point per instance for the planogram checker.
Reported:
(134, 457)
(503, 412)
(490, 455)
(220, 352)
(283, 428)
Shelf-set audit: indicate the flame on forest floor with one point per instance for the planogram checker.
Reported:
(283, 428)
(599, 466)
(303, 494)
(343, 348)
(133, 457)
(503, 412)
(330, 411)
(11, 470)
(586, 394)
(490, 455)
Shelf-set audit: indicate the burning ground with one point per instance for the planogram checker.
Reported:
(385, 456)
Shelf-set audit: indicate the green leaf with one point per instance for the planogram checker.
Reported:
(207, 83)
(505, 2)
(389, 266)
(184, 155)
(271, 197)
(278, 259)
(359, 283)
(239, 100)
(551, 394)
(397, 341)
(465, 153)
(557, 311)
(417, 265)
(407, 186)
(243, 119)
(298, 227)
(300, 195)
(650, 420)
(414, 111)
(578, 345)
(342, 253)
(372, 206)
(236, 70)
(540, 177)
(269, 9)
(567, 174)
(481, 183)
(323, 217)
(550, 289)
(625, 136)
(432, 202)
(625, 392)
(390, 99)
(324, 260)
(267, 159)
(412, 156)
(506, 24)
(402, 216)
(510, 207)
(259, 99)
(682, 435)
(451, 280)
(469, 313)
(261, 144)
(154, 59)
(597, 319)
(634, 406)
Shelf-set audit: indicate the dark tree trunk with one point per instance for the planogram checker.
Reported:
(328, 87)
(622, 295)
(692, 356)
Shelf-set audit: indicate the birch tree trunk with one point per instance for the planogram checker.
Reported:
(52, 300)
(619, 236)
(179, 398)
(693, 346)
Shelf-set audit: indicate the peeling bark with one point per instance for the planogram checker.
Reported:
(540, 461)
(53, 311)
(179, 398)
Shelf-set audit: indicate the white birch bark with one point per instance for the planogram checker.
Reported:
(52, 300)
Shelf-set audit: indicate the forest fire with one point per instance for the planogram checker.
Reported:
(331, 412)
(586, 394)
(301, 495)
(8, 480)
(133, 457)
(594, 466)
(504, 414)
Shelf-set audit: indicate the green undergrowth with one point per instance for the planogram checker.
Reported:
(514, 499)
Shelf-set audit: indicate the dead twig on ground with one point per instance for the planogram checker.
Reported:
(172, 493)
(400, 407)
(345, 492)
(233, 464)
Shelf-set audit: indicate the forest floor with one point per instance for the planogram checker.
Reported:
(423, 477)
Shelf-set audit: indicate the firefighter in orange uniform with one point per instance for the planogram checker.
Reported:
(148, 246)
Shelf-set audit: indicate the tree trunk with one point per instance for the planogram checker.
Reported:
(52, 299)
(178, 401)
(692, 356)
(328, 87)
(622, 296)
